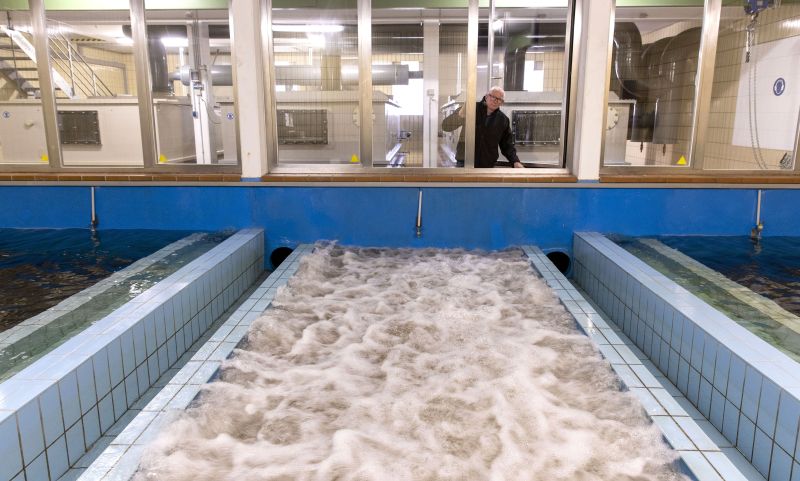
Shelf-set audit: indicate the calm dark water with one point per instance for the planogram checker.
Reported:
(770, 267)
(41, 267)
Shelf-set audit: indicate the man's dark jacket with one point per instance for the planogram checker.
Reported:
(490, 134)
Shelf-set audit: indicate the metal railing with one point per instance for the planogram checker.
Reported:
(82, 77)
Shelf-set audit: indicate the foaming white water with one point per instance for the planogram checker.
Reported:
(413, 365)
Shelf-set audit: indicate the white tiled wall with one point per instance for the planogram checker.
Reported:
(746, 388)
(52, 412)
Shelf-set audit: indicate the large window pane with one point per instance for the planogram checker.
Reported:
(755, 100)
(94, 78)
(419, 62)
(528, 61)
(190, 66)
(653, 71)
(452, 85)
(22, 137)
(316, 83)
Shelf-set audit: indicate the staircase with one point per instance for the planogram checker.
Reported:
(17, 67)
(73, 77)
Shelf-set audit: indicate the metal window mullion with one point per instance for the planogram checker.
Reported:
(144, 82)
(472, 83)
(234, 73)
(268, 71)
(490, 47)
(572, 51)
(365, 83)
(607, 90)
(48, 96)
(704, 82)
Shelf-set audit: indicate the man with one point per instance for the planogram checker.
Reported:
(492, 130)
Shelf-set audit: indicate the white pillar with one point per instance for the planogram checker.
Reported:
(249, 87)
(430, 82)
(596, 17)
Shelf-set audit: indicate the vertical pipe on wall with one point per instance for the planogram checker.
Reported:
(419, 215)
(365, 82)
(472, 84)
(270, 106)
(755, 232)
(704, 82)
(796, 145)
(49, 110)
(144, 82)
(93, 224)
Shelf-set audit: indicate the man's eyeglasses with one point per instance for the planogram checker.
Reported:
(496, 99)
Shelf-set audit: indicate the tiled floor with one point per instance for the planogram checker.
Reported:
(704, 450)
(116, 456)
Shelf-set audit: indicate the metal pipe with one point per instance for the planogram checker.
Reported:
(71, 66)
(419, 215)
(755, 232)
(307, 75)
(93, 224)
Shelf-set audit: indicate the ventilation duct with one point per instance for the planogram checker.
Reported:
(543, 37)
(658, 76)
(157, 51)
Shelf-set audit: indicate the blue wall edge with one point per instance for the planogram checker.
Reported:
(479, 217)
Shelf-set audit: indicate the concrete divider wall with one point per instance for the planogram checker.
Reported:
(53, 411)
(746, 388)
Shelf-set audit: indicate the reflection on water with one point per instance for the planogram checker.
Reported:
(41, 267)
(770, 268)
(70, 260)
(413, 365)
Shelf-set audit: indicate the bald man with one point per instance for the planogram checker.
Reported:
(492, 130)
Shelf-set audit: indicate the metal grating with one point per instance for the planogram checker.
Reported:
(536, 127)
(79, 127)
(302, 127)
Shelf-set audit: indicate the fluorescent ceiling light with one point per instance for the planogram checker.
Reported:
(127, 41)
(327, 28)
(175, 42)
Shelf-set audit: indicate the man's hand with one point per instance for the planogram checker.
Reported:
(461, 113)
(518, 165)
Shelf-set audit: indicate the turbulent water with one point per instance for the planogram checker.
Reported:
(413, 365)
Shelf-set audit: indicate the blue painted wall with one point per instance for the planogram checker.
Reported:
(471, 217)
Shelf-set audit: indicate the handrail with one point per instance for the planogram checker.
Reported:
(85, 64)
(61, 59)
(77, 66)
